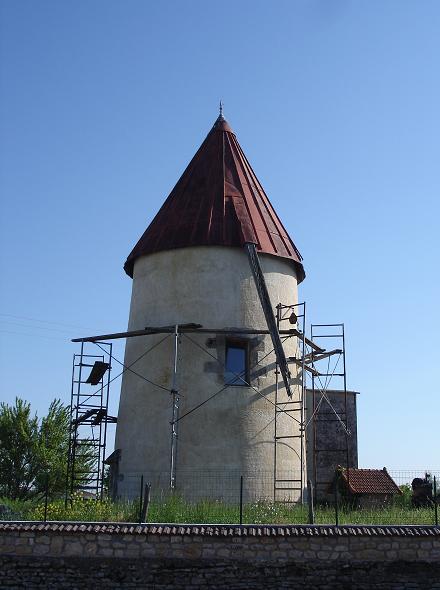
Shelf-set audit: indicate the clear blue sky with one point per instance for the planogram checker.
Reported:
(337, 106)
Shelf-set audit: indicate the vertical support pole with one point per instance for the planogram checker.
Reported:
(141, 498)
(69, 452)
(75, 428)
(347, 458)
(315, 427)
(146, 502)
(337, 498)
(311, 502)
(275, 434)
(104, 440)
(175, 411)
(302, 405)
(46, 494)
(241, 499)
(98, 447)
(435, 502)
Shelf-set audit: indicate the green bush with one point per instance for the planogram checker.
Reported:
(404, 500)
(82, 509)
(33, 451)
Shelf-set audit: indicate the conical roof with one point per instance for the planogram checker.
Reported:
(218, 201)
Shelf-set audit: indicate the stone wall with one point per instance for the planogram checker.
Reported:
(63, 555)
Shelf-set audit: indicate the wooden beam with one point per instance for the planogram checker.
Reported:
(263, 294)
(183, 328)
(308, 341)
(299, 363)
(313, 356)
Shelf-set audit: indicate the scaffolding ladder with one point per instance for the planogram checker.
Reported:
(328, 369)
(288, 485)
(88, 421)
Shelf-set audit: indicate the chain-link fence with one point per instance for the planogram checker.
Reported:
(231, 497)
(226, 486)
(220, 486)
(406, 476)
(254, 497)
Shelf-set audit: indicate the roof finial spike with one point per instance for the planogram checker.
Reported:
(221, 109)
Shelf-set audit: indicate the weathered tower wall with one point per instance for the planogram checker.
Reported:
(234, 432)
(326, 434)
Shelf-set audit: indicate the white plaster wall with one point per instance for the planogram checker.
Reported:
(231, 434)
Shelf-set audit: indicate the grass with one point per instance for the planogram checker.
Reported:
(174, 509)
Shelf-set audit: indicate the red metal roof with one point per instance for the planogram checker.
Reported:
(369, 481)
(218, 201)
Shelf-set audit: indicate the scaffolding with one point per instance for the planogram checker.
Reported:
(293, 480)
(312, 363)
(329, 373)
(88, 421)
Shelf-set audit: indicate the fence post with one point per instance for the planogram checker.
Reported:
(146, 503)
(241, 499)
(311, 506)
(46, 493)
(140, 498)
(435, 502)
(337, 498)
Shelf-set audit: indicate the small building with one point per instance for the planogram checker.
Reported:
(327, 443)
(367, 488)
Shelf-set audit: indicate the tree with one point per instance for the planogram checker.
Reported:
(33, 451)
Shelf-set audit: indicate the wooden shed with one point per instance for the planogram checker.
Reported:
(366, 488)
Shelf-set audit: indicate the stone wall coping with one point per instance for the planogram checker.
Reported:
(214, 530)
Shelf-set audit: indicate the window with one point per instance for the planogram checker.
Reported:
(237, 363)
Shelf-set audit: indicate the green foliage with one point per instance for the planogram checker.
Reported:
(404, 500)
(262, 512)
(33, 451)
(82, 509)
(19, 436)
(174, 509)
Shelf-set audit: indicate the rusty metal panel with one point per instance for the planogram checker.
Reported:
(218, 201)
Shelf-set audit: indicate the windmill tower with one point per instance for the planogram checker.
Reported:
(208, 390)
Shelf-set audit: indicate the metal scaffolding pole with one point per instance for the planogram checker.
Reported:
(175, 411)
(277, 384)
(324, 456)
(88, 421)
(293, 406)
(303, 395)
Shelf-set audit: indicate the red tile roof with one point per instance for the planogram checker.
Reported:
(218, 201)
(369, 481)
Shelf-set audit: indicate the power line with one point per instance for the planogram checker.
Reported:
(18, 317)
(33, 327)
(127, 367)
(34, 335)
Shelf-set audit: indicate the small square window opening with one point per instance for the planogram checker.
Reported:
(237, 363)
